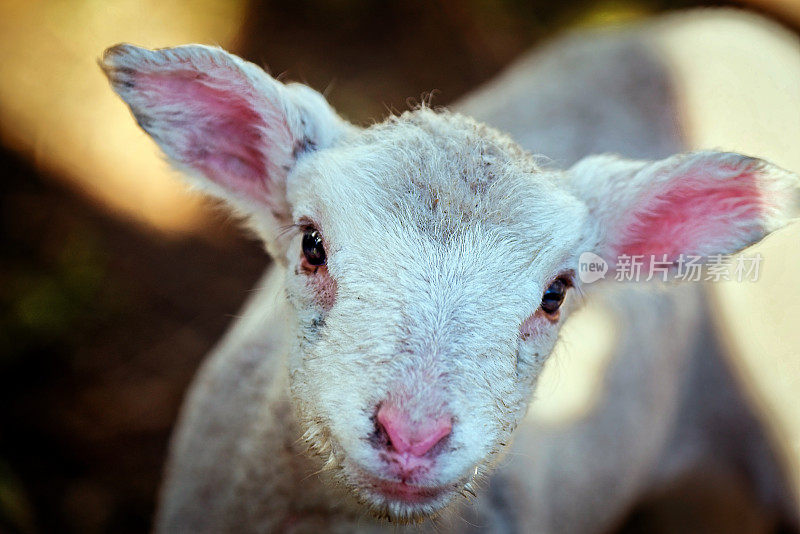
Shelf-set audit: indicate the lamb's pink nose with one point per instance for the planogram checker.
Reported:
(406, 436)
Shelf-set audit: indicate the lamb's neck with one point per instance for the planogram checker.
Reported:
(308, 492)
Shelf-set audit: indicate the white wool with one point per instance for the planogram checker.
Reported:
(441, 236)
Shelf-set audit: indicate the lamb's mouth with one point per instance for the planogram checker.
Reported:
(404, 502)
(407, 493)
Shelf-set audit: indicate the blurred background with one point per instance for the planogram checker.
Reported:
(114, 281)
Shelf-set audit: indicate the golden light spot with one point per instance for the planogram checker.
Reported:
(56, 104)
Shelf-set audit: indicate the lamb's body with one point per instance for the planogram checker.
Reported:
(670, 408)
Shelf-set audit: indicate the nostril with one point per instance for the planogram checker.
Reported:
(406, 436)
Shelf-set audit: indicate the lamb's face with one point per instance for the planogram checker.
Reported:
(420, 256)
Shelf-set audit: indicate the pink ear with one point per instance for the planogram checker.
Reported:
(218, 117)
(695, 212)
(702, 204)
(220, 130)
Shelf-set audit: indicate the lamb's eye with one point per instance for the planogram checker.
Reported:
(554, 296)
(313, 249)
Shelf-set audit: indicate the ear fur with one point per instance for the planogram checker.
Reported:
(227, 125)
(702, 203)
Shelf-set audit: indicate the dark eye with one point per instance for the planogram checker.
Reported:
(313, 249)
(554, 296)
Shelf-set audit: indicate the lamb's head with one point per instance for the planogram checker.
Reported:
(422, 251)
(426, 258)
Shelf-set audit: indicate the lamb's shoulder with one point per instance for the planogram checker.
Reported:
(231, 404)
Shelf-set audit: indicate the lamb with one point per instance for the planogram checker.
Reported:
(422, 269)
